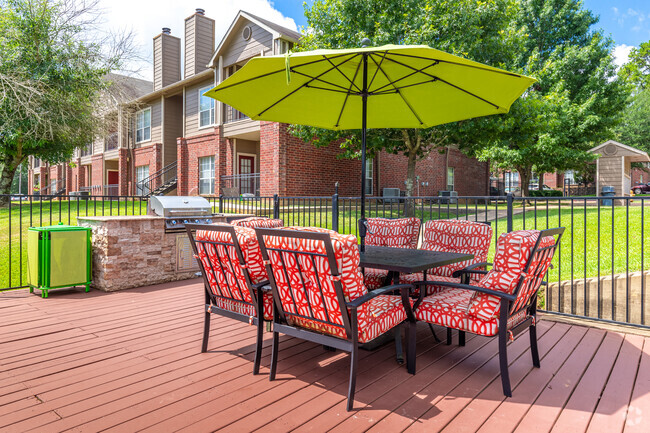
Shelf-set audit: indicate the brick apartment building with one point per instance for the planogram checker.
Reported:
(169, 138)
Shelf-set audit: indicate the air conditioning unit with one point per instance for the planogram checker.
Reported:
(448, 197)
(391, 192)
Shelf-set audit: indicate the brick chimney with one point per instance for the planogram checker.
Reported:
(199, 42)
(166, 59)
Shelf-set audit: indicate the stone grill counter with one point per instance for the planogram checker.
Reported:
(135, 251)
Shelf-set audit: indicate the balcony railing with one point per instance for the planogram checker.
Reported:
(241, 184)
(111, 142)
(232, 115)
(86, 151)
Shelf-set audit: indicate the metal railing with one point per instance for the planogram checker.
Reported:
(600, 271)
(232, 115)
(148, 185)
(239, 184)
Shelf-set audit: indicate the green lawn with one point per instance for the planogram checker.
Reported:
(580, 255)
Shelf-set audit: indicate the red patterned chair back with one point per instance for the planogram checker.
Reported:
(231, 262)
(457, 236)
(313, 272)
(398, 233)
(258, 222)
(520, 264)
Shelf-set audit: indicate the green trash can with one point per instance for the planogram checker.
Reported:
(58, 256)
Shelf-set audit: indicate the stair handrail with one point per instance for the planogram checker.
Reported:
(156, 175)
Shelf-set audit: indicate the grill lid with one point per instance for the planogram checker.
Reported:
(174, 206)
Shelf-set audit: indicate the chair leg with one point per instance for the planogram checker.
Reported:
(206, 332)
(448, 336)
(399, 352)
(461, 338)
(258, 347)
(353, 376)
(532, 331)
(433, 331)
(503, 362)
(411, 347)
(274, 355)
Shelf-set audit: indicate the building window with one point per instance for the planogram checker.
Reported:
(206, 108)
(143, 125)
(141, 173)
(450, 178)
(369, 175)
(284, 46)
(206, 175)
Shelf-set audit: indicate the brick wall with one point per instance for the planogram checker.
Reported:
(639, 176)
(150, 155)
(123, 164)
(554, 180)
(470, 176)
(97, 174)
(189, 151)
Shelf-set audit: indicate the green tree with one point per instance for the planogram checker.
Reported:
(634, 129)
(575, 103)
(51, 80)
(483, 31)
(637, 69)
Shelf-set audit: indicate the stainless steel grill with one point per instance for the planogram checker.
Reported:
(179, 211)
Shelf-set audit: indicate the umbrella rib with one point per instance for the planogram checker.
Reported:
(345, 89)
(344, 76)
(298, 88)
(378, 90)
(489, 69)
(446, 82)
(378, 68)
(345, 101)
(399, 93)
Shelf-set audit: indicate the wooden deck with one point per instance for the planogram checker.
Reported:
(131, 361)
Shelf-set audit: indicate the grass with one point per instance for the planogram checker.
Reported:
(605, 243)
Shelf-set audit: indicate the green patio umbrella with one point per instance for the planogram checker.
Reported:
(392, 86)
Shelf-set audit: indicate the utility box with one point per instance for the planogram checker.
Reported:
(58, 256)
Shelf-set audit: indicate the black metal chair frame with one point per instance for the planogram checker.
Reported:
(256, 290)
(348, 310)
(507, 303)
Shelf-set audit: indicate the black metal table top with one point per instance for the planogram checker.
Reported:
(408, 261)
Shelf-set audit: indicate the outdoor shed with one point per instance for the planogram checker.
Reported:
(614, 165)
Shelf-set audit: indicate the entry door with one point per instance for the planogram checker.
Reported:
(246, 167)
(113, 177)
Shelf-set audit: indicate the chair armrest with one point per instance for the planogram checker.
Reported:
(261, 284)
(501, 295)
(373, 294)
(471, 269)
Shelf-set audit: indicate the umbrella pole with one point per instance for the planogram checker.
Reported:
(364, 116)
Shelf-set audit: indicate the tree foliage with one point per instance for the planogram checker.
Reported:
(575, 103)
(480, 30)
(637, 70)
(52, 69)
(634, 129)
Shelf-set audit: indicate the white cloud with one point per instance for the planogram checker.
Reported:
(621, 54)
(147, 17)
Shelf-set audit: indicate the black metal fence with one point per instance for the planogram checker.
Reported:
(600, 270)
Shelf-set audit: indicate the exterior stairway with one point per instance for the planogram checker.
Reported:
(165, 178)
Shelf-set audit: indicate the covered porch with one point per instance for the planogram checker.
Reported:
(130, 360)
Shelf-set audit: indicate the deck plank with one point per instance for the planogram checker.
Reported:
(131, 361)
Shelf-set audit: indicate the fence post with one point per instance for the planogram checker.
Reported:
(510, 201)
(221, 203)
(335, 212)
(276, 206)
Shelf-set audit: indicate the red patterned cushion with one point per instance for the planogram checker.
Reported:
(457, 236)
(248, 309)
(398, 233)
(513, 252)
(412, 278)
(449, 308)
(308, 274)
(374, 278)
(259, 222)
(227, 279)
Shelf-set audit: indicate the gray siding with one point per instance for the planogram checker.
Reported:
(173, 127)
(199, 44)
(166, 61)
(156, 127)
(238, 49)
(192, 108)
(611, 173)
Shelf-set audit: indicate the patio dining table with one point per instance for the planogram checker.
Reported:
(407, 261)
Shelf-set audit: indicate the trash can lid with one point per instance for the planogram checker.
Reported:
(58, 228)
(608, 189)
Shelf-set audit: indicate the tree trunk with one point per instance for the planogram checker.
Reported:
(8, 166)
(524, 180)
(410, 183)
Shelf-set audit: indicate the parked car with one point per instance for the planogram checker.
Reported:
(641, 188)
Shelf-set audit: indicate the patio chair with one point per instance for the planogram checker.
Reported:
(256, 221)
(234, 277)
(457, 236)
(386, 232)
(503, 303)
(320, 296)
